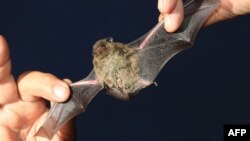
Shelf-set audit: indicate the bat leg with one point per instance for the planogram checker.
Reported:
(118, 94)
(143, 84)
(128, 95)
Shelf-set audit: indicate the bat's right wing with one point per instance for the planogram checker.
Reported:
(158, 46)
(82, 93)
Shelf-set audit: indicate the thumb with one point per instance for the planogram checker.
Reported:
(172, 12)
(35, 85)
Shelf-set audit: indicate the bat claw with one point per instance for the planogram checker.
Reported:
(155, 83)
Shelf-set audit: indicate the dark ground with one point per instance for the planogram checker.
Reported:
(199, 91)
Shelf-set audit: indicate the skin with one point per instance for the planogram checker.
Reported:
(31, 89)
(28, 92)
(172, 12)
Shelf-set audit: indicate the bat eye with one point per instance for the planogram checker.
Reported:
(110, 39)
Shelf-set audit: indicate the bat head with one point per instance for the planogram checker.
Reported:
(105, 47)
(101, 48)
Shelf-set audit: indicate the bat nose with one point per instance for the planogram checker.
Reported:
(99, 50)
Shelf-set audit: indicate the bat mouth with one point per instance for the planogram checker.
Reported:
(99, 50)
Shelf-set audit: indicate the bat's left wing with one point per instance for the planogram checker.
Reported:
(82, 93)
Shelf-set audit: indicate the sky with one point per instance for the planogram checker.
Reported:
(199, 90)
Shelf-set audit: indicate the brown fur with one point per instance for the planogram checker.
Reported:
(116, 66)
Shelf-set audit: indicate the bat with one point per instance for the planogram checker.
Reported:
(125, 69)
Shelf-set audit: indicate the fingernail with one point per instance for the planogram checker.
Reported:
(167, 23)
(60, 91)
(160, 4)
(170, 24)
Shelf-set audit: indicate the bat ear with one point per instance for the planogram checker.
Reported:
(109, 39)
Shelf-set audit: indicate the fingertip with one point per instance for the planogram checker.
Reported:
(169, 25)
(1, 37)
(161, 6)
(166, 6)
(173, 20)
(172, 23)
(68, 81)
(61, 91)
(4, 50)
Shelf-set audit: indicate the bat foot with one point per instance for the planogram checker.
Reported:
(118, 94)
(128, 95)
(155, 83)
(143, 84)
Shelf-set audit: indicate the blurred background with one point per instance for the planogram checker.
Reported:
(198, 91)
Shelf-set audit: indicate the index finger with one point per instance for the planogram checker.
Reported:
(172, 12)
(5, 63)
(8, 90)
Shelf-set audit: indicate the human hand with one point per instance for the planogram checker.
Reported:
(22, 103)
(172, 12)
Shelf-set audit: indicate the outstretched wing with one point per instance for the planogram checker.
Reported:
(82, 93)
(158, 46)
(154, 50)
